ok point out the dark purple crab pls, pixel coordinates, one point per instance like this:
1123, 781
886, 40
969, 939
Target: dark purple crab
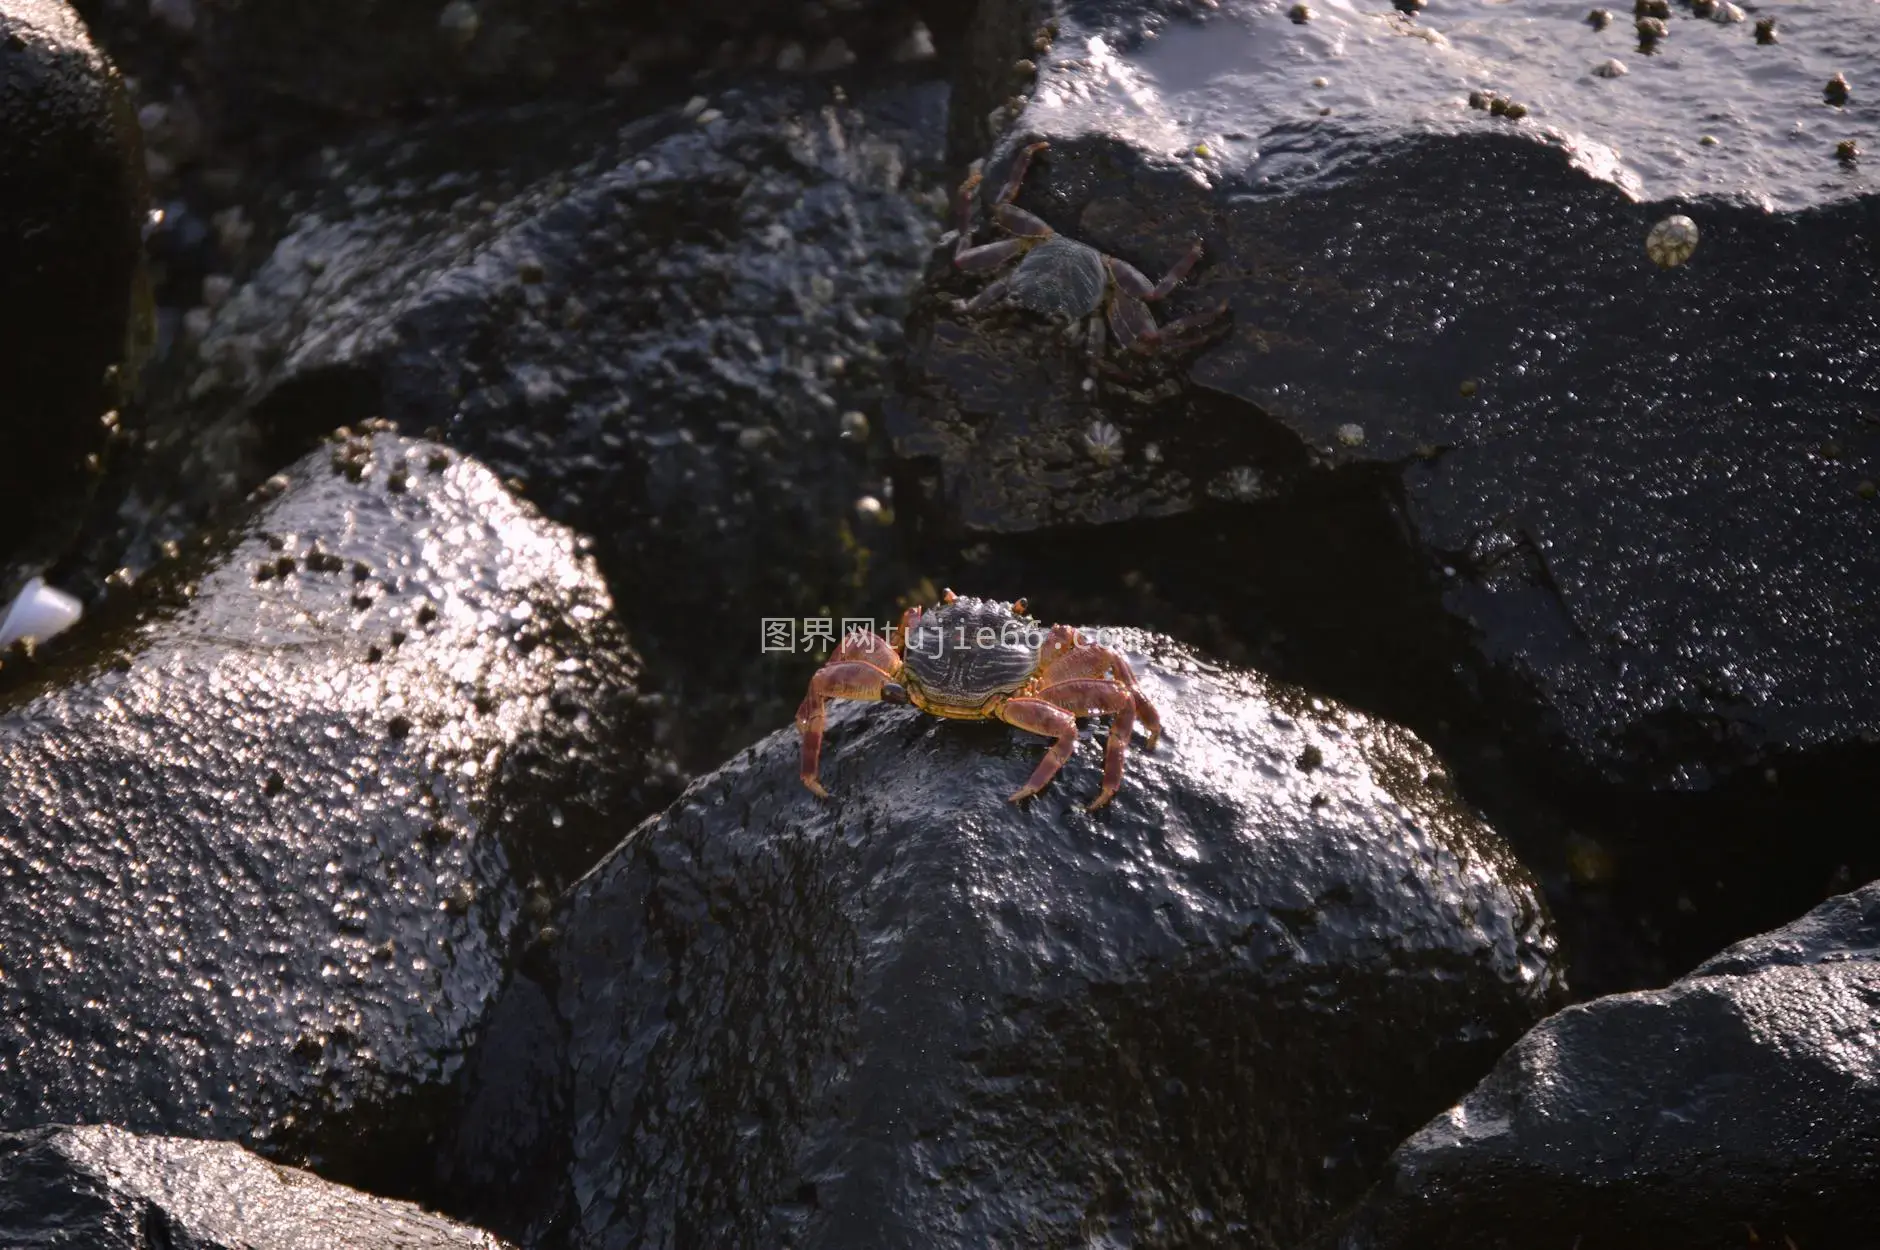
1069, 281
978, 659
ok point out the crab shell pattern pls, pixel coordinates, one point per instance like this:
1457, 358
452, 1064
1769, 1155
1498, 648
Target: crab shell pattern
979, 659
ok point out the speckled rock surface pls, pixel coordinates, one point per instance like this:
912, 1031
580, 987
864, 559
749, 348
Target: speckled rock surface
917, 1015
348, 60
1636, 491
658, 323
71, 204
264, 853
1735, 1106
105, 1189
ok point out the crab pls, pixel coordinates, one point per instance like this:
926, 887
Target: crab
1069, 281
978, 659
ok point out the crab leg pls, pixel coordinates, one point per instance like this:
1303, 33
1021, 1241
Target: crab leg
863, 668
990, 296
964, 206
1015, 220
987, 256
1136, 329
1064, 658
832, 681
1038, 717
1094, 697
868, 647
1132, 280
1130, 322
1055, 709
1177, 330
1016, 179
1025, 228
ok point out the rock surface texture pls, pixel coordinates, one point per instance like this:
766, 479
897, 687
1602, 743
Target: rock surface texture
1637, 493
1737, 1104
658, 323
351, 60
263, 861
918, 1015
1534, 420
105, 1189
71, 204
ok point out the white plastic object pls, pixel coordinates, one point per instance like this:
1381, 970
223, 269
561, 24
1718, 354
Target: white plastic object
38, 613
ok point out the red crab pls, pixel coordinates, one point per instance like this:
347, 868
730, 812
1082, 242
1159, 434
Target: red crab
978, 659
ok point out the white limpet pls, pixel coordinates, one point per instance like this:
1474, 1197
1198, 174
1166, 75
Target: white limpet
38, 613
1103, 441
1672, 241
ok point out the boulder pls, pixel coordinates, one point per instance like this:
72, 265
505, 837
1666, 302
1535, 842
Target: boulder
916, 1014
1735, 1106
266, 69
71, 206
266, 847
1624, 494
657, 324
106, 1189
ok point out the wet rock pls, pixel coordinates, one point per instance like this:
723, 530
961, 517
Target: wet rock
265, 853
106, 1189
656, 323
1640, 560
916, 1014
1735, 1106
355, 59
71, 205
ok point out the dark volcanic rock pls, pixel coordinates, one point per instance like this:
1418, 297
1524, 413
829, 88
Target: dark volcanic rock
104, 1189
917, 1015
263, 864
71, 205
351, 59
1636, 490
658, 324
1736, 1106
